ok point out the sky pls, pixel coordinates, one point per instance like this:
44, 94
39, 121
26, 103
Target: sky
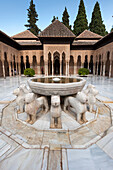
13, 13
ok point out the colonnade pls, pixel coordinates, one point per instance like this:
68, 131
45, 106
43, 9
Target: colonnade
55, 64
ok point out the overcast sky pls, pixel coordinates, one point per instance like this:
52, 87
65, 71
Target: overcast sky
13, 13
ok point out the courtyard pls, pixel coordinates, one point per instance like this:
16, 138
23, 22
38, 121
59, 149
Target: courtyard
24, 146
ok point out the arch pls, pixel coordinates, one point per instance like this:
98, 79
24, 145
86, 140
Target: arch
42, 64
22, 65
91, 64
56, 56
27, 62
63, 64
107, 67
49, 64
86, 62
6, 64
71, 65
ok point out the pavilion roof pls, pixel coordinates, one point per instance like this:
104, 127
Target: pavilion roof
56, 29
25, 34
86, 34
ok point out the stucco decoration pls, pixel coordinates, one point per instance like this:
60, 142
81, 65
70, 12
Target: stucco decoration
55, 112
77, 105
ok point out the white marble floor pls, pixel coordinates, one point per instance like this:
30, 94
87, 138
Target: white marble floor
15, 156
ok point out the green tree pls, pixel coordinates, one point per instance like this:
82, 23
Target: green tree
81, 23
32, 19
96, 24
65, 18
54, 18
111, 29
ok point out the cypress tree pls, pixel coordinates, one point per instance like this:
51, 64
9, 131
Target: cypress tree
32, 19
54, 18
96, 24
111, 29
65, 18
81, 22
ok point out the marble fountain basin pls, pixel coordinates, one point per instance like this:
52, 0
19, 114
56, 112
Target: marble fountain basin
59, 85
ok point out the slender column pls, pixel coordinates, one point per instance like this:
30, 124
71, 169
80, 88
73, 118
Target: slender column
3, 67
10, 69
82, 65
104, 66
68, 68
38, 68
52, 67
88, 66
110, 69
19, 68
16, 69
75, 69
46, 68
94, 69
25, 65
60, 67
101, 69
13, 67
97, 69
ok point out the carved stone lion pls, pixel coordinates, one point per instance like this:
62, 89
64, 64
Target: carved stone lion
32, 104
55, 112
21, 93
77, 105
91, 93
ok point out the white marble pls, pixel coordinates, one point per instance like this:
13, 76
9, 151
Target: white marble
23, 159
14, 156
92, 158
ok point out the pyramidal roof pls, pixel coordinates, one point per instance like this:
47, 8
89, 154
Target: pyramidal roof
25, 34
56, 29
86, 34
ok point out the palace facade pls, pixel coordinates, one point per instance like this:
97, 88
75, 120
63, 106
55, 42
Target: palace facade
56, 51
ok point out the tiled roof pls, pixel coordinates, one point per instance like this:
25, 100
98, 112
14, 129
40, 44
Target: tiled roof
56, 29
83, 43
30, 43
88, 35
25, 34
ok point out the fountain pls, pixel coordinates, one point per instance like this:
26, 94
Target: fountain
61, 85
52, 95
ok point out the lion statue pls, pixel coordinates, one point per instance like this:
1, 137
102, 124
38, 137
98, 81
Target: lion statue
21, 93
32, 105
55, 112
77, 105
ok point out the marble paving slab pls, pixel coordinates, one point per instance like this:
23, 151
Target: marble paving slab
100, 125
23, 159
92, 158
54, 160
81, 136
